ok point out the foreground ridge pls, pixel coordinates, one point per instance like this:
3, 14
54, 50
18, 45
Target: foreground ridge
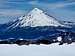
61, 39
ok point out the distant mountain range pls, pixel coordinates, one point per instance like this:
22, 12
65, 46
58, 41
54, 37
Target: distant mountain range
37, 27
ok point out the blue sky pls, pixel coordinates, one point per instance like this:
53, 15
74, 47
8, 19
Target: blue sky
60, 9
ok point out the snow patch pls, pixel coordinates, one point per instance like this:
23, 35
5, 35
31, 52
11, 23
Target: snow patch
59, 38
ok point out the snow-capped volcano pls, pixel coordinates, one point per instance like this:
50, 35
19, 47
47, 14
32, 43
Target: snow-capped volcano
48, 31
35, 18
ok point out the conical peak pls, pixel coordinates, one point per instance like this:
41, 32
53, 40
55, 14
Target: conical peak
37, 17
37, 10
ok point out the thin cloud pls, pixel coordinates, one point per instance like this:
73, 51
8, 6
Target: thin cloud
51, 5
35, 2
12, 12
60, 5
